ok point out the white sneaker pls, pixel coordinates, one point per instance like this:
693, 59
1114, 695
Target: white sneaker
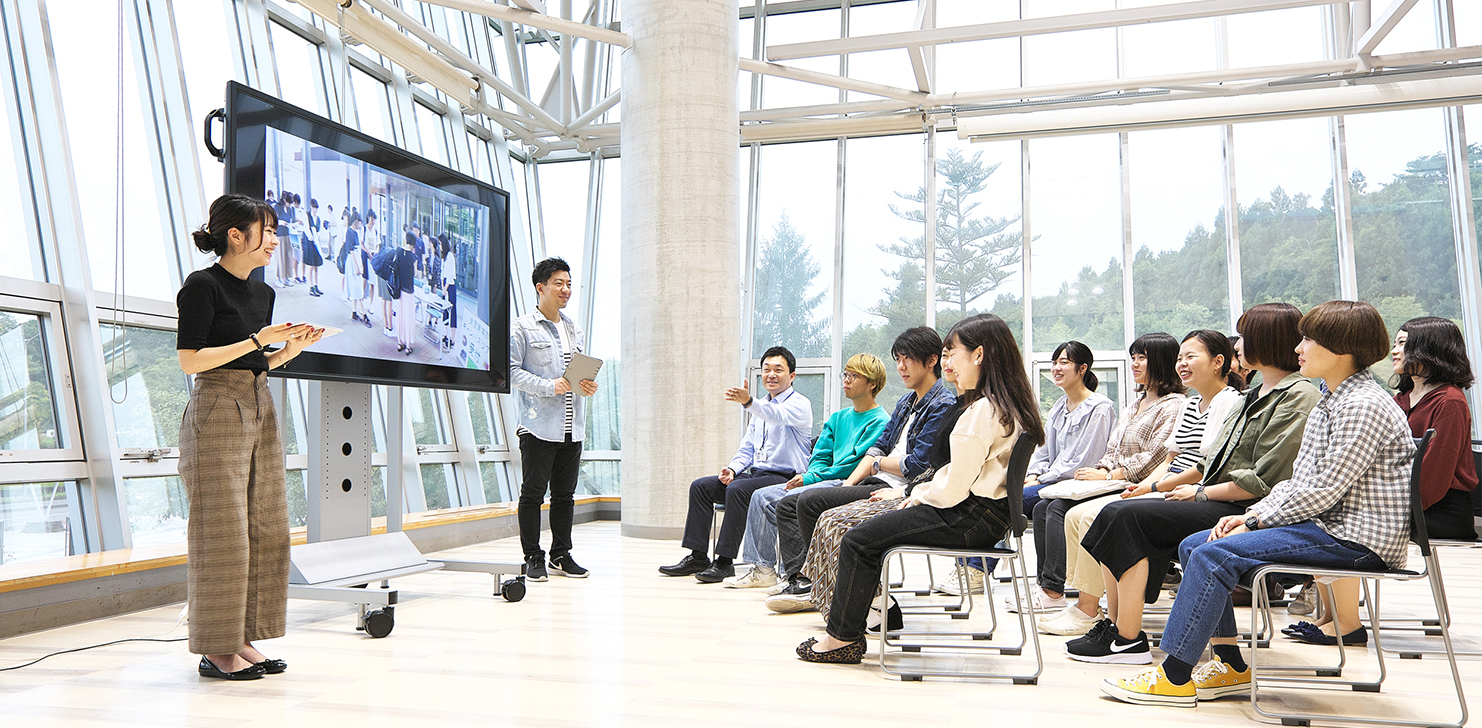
789, 603
952, 583
1043, 603
757, 578
1069, 621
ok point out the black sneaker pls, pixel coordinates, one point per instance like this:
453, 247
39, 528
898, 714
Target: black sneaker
687, 566
535, 568
1113, 649
1100, 633
797, 586
567, 566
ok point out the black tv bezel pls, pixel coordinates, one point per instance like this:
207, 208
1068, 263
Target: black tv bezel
246, 149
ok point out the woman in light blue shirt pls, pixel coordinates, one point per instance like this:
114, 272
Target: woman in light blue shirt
1076, 436
1080, 423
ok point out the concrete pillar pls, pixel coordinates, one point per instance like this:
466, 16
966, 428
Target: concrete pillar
680, 254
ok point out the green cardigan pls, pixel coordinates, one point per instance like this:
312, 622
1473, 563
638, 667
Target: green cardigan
1259, 441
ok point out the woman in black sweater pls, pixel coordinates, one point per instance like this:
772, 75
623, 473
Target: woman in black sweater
231, 455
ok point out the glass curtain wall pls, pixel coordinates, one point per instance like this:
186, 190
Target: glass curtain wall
1098, 237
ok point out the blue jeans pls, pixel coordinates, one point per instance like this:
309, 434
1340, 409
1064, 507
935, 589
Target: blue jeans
1031, 499
1212, 569
759, 547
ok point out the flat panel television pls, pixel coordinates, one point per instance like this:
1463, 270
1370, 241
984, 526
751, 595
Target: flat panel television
342, 199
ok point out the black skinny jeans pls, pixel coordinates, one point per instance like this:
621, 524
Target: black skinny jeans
553, 464
975, 523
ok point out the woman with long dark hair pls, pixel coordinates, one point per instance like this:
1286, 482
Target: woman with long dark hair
231, 454
965, 504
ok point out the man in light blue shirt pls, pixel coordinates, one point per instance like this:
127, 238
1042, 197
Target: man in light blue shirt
551, 418
776, 447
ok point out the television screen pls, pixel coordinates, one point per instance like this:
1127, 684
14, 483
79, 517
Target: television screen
408, 257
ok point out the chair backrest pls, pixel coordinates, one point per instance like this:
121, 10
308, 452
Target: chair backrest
1018, 470
1477, 492
1417, 514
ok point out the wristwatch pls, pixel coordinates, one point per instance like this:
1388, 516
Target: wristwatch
1199, 495
255, 342
1252, 522
875, 469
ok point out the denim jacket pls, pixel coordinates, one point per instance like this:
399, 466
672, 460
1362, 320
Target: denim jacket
535, 363
930, 411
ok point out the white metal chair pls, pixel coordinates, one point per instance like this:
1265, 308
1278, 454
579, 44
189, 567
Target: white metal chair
1261, 676
972, 641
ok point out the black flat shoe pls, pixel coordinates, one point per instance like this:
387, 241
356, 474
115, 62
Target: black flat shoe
850, 654
1356, 638
1292, 630
271, 666
209, 669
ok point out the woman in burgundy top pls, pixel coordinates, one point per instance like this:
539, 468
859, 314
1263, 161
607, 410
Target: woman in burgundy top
1430, 360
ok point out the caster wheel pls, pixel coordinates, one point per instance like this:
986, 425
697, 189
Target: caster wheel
378, 623
512, 590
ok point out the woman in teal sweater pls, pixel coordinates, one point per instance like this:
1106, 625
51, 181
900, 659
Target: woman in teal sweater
847, 436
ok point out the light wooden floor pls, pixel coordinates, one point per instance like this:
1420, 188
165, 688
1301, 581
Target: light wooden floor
625, 647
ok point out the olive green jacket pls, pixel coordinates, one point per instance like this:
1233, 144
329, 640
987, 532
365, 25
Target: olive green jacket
1259, 440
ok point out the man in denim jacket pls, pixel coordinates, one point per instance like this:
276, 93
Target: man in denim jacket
552, 421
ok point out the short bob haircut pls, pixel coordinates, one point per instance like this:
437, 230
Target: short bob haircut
1435, 350
1161, 351
1351, 328
871, 368
921, 344
1270, 335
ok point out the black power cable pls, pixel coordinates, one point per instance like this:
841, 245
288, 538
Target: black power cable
91, 647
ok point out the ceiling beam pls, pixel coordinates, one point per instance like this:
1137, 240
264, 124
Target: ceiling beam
536, 20
459, 59
831, 80
1295, 104
1032, 26
1377, 32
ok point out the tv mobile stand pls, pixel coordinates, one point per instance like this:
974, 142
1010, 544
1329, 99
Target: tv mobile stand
343, 558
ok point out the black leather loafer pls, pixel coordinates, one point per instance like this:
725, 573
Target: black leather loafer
687, 566
209, 669
716, 574
271, 666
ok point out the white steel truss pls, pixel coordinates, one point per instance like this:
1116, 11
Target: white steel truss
571, 113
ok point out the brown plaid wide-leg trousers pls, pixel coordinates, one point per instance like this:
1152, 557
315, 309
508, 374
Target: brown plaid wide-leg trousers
231, 462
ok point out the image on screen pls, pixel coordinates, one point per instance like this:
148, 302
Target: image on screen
367, 228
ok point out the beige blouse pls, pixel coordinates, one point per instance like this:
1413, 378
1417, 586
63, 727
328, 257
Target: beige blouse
981, 446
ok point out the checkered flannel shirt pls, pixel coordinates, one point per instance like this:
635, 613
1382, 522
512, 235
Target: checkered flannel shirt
1352, 475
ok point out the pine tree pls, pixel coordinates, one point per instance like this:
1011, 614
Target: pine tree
973, 254
785, 274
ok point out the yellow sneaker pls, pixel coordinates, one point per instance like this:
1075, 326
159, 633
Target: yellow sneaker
1216, 679
1151, 687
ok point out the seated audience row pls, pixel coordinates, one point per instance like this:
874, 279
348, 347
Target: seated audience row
1191, 468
